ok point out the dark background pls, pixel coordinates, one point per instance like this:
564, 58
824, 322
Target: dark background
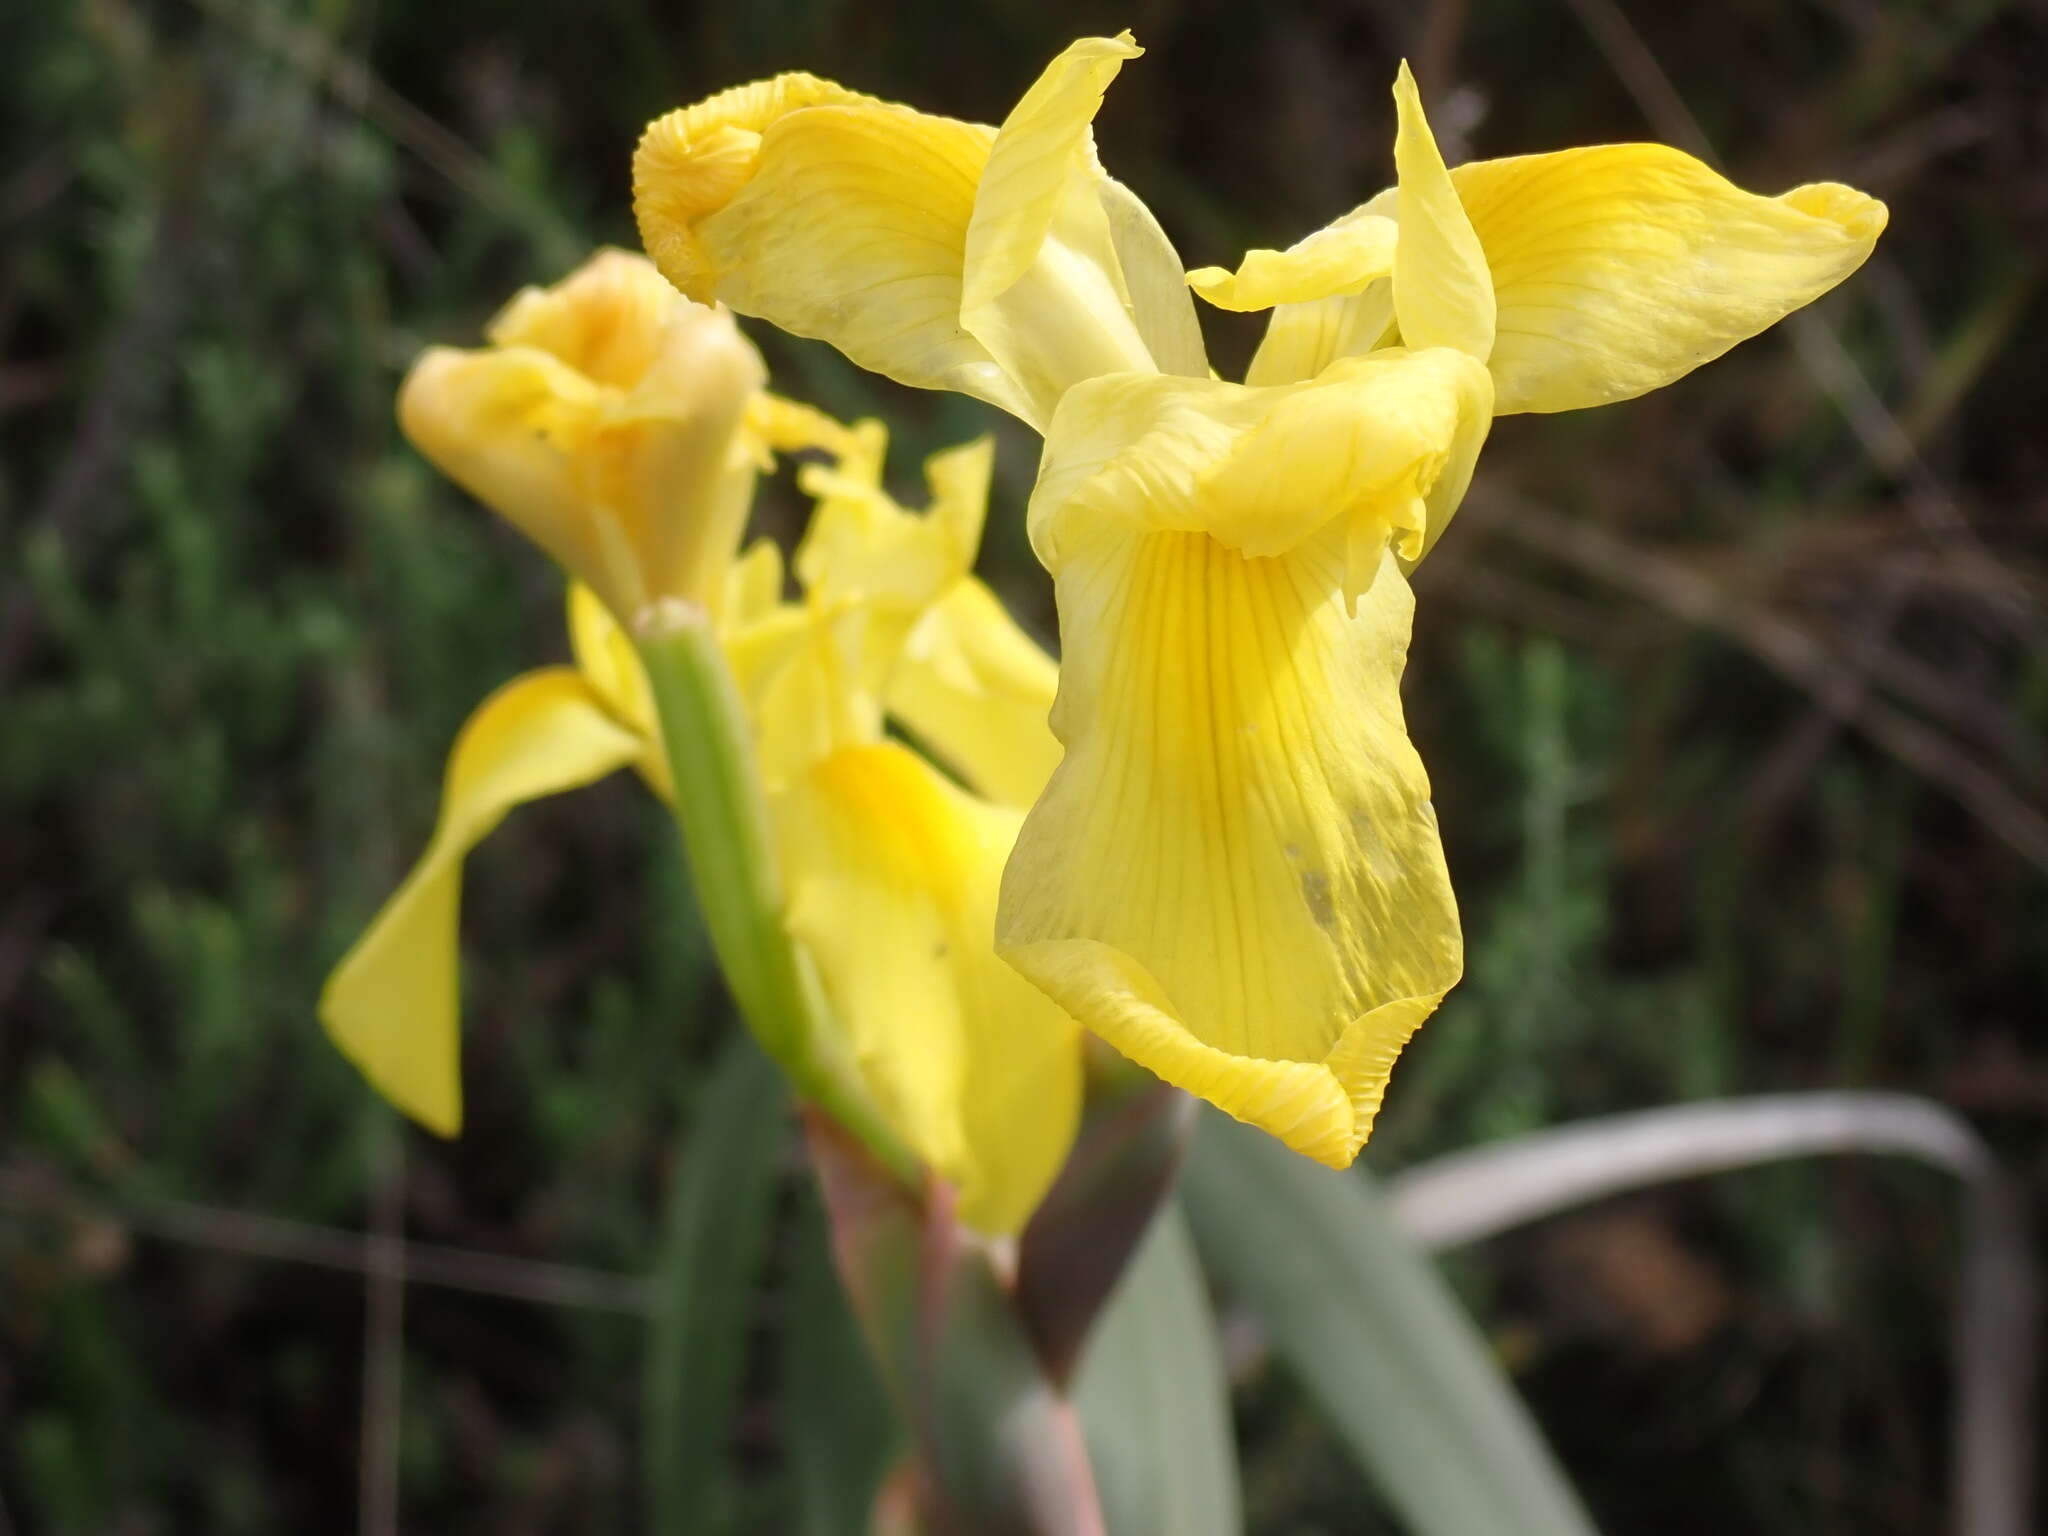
1735, 702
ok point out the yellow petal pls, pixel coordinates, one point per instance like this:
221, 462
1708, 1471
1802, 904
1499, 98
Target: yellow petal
936, 252
508, 426
1622, 267
790, 426
605, 320
892, 878
638, 490
830, 215
391, 1004
1341, 258
975, 691
1154, 283
1443, 294
1234, 876
1384, 443
1045, 288
1302, 339
861, 547
692, 161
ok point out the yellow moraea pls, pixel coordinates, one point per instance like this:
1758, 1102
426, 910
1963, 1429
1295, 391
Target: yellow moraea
606, 421
1234, 873
890, 869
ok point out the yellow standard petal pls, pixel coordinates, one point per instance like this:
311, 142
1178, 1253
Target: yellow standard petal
1234, 875
391, 1005
1045, 288
892, 877
1622, 267
875, 228
1443, 294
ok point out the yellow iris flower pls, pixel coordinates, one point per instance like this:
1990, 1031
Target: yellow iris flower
1234, 876
623, 428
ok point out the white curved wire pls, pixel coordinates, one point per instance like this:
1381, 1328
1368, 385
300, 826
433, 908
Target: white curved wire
1469, 1195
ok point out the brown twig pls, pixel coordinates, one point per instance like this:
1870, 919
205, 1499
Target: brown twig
1830, 679
1887, 444
250, 1234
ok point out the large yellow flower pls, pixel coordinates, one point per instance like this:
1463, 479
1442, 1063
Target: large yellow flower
1234, 875
890, 868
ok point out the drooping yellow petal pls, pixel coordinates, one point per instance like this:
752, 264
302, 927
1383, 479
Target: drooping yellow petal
869, 226
1443, 293
391, 1005
1234, 876
975, 691
892, 878
1622, 267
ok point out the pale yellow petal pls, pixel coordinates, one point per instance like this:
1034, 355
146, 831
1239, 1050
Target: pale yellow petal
509, 425
640, 490
1384, 442
1043, 146
675, 466
1443, 294
1155, 284
1044, 286
863, 550
789, 426
692, 161
1303, 339
830, 215
1234, 876
892, 878
975, 691
605, 320
1340, 259
391, 1005
1622, 267
942, 254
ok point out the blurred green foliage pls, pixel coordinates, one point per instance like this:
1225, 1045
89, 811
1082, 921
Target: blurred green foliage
240, 623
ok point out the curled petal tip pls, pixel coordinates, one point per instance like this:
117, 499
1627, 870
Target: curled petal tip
693, 161
1857, 214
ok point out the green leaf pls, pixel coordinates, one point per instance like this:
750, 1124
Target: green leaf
712, 1247
841, 1426
1371, 1330
1154, 1401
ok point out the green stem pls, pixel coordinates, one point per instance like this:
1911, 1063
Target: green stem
724, 821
